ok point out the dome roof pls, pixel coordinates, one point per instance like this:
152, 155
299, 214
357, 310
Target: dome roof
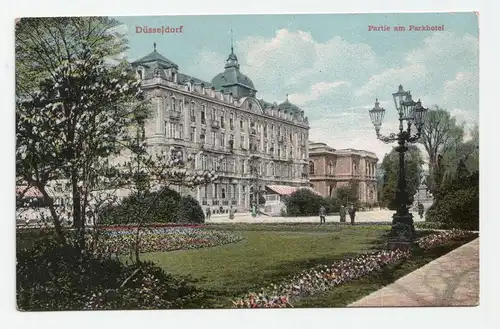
286, 105
232, 75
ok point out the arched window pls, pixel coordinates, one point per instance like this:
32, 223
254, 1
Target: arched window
311, 168
173, 104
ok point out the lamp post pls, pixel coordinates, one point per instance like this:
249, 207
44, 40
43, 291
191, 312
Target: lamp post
413, 114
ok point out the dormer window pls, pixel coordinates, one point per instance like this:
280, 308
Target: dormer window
140, 73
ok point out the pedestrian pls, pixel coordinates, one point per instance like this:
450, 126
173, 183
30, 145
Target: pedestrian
231, 212
343, 213
208, 212
420, 210
322, 215
352, 213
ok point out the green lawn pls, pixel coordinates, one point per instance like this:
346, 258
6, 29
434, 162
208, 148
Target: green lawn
269, 253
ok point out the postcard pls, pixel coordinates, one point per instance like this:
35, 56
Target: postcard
247, 161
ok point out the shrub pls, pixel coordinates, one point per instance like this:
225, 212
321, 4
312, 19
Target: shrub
303, 202
457, 209
54, 277
457, 203
162, 208
189, 211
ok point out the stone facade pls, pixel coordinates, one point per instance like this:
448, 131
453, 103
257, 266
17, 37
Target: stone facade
249, 142
330, 169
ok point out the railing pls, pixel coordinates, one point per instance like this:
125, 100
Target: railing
225, 202
215, 124
193, 118
233, 202
215, 202
281, 139
203, 120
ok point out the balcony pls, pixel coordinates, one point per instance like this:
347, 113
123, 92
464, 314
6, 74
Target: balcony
225, 202
203, 121
281, 139
222, 124
215, 202
253, 132
215, 124
193, 118
233, 202
174, 115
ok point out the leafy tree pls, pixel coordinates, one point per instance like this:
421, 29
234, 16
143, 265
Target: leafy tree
390, 168
439, 134
44, 44
83, 131
349, 193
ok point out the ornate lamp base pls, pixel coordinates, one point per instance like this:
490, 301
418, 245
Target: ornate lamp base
402, 234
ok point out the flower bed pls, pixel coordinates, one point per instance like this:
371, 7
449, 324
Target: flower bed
121, 240
325, 277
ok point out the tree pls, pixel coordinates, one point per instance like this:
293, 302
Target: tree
70, 132
349, 193
440, 133
390, 168
44, 44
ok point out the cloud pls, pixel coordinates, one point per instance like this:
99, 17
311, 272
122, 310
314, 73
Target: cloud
317, 91
336, 81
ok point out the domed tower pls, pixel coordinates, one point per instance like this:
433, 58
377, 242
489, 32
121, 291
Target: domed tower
232, 80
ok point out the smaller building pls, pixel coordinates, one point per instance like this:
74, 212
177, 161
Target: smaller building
275, 195
330, 169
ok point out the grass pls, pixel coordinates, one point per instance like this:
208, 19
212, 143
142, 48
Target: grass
271, 253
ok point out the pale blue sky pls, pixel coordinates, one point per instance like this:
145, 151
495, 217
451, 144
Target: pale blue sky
331, 65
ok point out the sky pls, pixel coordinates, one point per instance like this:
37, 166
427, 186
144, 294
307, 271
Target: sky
330, 65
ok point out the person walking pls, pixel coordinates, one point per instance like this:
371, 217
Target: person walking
343, 213
231, 213
208, 213
322, 215
352, 213
420, 210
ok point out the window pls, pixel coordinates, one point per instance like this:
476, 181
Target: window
173, 104
203, 135
202, 114
279, 152
311, 168
165, 128
330, 168
213, 137
223, 165
291, 138
242, 166
181, 105
222, 139
241, 124
223, 193
172, 130
204, 163
215, 165
231, 121
191, 112
242, 141
222, 121
180, 130
192, 136
214, 114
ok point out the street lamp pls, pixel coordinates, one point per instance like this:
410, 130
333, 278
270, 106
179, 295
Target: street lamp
411, 112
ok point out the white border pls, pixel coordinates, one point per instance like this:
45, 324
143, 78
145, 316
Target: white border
482, 316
